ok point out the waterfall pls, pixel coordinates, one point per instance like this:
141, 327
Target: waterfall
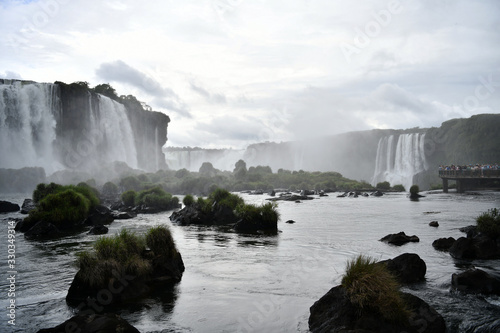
35, 130
117, 136
398, 163
28, 114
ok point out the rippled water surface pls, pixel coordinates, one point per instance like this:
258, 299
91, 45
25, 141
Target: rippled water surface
267, 283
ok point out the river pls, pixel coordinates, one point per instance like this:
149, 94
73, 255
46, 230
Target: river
242, 283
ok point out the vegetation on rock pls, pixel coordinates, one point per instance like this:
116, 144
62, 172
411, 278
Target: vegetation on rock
63, 206
488, 223
370, 286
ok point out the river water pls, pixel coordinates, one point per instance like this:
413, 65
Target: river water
241, 283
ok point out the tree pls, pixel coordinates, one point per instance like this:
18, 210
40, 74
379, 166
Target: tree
107, 90
240, 170
383, 186
207, 169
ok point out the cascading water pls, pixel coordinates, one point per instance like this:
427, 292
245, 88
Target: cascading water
399, 163
117, 136
33, 132
28, 114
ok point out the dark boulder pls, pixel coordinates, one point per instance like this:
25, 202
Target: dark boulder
99, 216
98, 230
434, 224
462, 249
407, 268
8, 207
335, 313
93, 323
28, 206
477, 247
476, 281
42, 230
377, 194
443, 244
290, 222
399, 239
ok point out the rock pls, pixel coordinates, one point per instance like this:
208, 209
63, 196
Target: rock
25, 225
462, 249
335, 313
399, 239
42, 230
99, 216
8, 207
434, 224
470, 230
126, 288
443, 244
93, 323
98, 230
407, 268
477, 247
28, 205
416, 196
377, 194
122, 215
476, 281
290, 221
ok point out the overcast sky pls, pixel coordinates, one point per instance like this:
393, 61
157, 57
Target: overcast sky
234, 72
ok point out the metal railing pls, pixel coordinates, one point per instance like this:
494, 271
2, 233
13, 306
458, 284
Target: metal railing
473, 173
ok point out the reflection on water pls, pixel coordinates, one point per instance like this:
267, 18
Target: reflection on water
250, 283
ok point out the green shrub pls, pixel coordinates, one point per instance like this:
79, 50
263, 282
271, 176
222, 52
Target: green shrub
43, 190
160, 241
414, 189
488, 223
128, 198
188, 200
370, 286
123, 253
399, 188
383, 186
63, 209
110, 189
156, 197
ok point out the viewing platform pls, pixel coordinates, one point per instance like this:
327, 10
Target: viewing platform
470, 179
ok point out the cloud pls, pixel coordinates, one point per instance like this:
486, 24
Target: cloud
119, 71
210, 97
11, 75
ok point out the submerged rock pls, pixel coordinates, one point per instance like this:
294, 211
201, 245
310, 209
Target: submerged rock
98, 230
399, 239
434, 224
93, 323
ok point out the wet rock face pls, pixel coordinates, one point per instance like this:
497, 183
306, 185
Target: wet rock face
93, 323
7, 207
476, 281
407, 267
335, 313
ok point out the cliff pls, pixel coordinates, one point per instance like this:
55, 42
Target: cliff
69, 126
410, 156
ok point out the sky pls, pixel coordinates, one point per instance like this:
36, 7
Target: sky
230, 73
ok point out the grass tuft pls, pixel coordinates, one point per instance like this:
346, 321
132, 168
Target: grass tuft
488, 223
371, 286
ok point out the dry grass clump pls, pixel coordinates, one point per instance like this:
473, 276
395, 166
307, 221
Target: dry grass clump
370, 286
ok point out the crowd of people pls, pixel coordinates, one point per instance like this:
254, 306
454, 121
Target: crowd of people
470, 167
